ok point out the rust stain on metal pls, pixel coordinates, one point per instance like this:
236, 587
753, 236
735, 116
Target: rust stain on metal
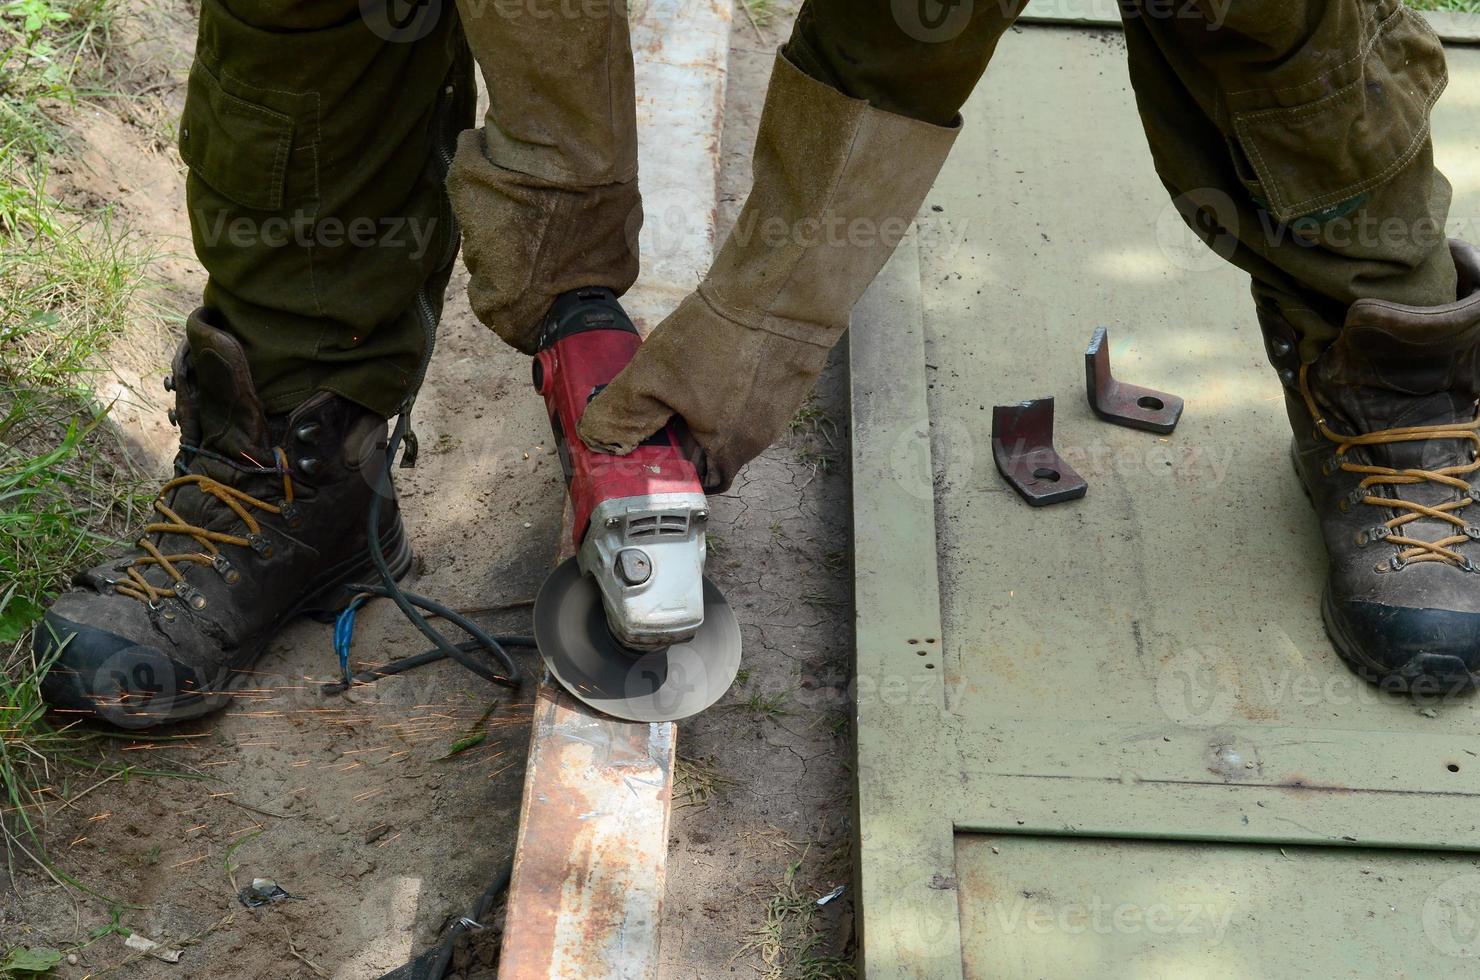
1022, 446
587, 891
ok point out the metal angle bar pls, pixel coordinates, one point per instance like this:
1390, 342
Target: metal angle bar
1125, 404
1022, 446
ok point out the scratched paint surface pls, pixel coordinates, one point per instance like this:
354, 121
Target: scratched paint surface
1454, 28
1126, 910
1186, 585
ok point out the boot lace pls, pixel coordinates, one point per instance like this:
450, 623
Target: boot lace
136, 586
1412, 549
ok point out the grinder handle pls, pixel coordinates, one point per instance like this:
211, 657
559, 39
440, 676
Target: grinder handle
586, 341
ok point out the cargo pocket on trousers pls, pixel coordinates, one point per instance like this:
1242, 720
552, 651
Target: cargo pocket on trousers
1308, 158
240, 149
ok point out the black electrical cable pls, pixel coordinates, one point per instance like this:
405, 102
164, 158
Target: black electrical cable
439, 965
409, 603
434, 963
421, 660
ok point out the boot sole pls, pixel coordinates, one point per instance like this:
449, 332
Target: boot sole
1424, 673
323, 603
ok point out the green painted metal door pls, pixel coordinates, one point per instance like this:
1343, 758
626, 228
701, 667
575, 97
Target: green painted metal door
1125, 703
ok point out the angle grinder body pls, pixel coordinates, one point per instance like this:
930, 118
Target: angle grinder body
665, 645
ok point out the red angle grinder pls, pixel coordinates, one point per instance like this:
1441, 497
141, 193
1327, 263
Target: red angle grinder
630, 625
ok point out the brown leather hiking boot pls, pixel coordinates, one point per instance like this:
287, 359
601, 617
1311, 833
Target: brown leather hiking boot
264, 521
1387, 429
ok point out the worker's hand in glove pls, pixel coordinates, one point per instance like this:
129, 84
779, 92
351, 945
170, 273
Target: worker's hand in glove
740, 354
737, 387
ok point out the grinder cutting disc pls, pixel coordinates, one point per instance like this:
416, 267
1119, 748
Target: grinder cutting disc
663, 685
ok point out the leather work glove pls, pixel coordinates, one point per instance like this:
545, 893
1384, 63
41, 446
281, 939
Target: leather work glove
837, 183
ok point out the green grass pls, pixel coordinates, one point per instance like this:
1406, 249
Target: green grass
49, 50
31, 754
58, 503
789, 943
70, 281
696, 781
760, 13
766, 706
810, 417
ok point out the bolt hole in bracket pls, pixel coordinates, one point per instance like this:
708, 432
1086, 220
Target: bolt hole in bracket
1125, 404
1022, 446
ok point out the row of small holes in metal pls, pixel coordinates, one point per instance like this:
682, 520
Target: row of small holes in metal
924, 653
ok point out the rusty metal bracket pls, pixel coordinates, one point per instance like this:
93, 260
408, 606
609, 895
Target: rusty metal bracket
1125, 404
1022, 445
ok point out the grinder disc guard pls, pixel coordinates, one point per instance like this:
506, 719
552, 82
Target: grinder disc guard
662, 685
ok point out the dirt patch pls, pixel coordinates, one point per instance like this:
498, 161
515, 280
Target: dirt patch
349, 802
346, 802
764, 793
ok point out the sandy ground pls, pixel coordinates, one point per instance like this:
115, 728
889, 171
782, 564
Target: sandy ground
349, 803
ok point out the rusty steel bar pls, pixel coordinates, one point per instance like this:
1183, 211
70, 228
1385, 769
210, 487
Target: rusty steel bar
589, 868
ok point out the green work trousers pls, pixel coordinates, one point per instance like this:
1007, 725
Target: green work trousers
322, 138
1293, 136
